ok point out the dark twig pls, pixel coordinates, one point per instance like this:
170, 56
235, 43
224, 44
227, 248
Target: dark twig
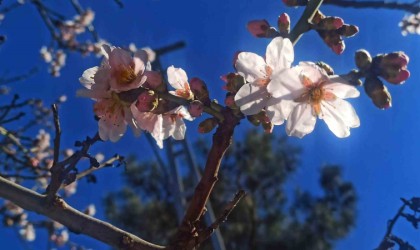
205, 234
57, 134
413, 7
19, 78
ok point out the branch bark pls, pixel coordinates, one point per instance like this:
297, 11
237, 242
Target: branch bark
222, 139
413, 7
75, 220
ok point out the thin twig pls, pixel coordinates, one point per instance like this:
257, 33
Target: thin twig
57, 134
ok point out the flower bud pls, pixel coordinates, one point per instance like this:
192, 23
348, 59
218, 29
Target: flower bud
328, 69
154, 81
258, 28
230, 101
396, 76
207, 125
199, 89
268, 127
283, 23
196, 108
348, 30
339, 47
398, 58
378, 92
233, 81
363, 59
331, 23
147, 101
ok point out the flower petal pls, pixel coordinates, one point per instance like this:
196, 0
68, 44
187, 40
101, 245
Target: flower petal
340, 117
286, 84
87, 78
301, 121
119, 57
251, 98
280, 54
251, 66
279, 110
177, 77
341, 88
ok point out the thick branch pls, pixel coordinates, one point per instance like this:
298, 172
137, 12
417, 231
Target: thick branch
76, 221
221, 142
408, 7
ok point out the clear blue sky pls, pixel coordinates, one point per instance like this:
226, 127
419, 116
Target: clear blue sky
381, 157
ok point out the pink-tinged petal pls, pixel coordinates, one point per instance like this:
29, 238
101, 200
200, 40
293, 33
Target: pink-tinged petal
301, 121
286, 84
129, 119
279, 110
119, 57
177, 77
140, 60
111, 127
313, 72
87, 79
340, 87
334, 120
251, 66
251, 98
101, 79
345, 110
149, 122
154, 80
280, 54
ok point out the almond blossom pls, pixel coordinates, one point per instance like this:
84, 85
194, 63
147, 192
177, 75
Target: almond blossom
259, 72
116, 73
163, 126
307, 93
178, 79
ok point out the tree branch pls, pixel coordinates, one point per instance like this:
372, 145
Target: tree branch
75, 220
408, 7
222, 139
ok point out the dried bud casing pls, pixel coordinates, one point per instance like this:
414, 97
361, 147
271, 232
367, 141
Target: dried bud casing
207, 125
363, 59
234, 82
378, 92
199, 89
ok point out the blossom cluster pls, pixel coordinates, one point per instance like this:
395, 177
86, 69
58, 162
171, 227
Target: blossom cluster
126, 92
296, 94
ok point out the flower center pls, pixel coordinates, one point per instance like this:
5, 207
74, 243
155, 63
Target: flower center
315, 94
126, 74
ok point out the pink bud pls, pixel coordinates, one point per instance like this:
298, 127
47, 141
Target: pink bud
402, 75
338, 22
146, 101
396, 58
338, 48
284, 23
258, 28
154, 80
195, 108
197, 85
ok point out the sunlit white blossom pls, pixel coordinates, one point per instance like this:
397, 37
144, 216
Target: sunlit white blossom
178, 79
307, 92
259, 72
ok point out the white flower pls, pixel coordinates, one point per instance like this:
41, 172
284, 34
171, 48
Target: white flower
308, 92
162, 126
178, 79
253, 97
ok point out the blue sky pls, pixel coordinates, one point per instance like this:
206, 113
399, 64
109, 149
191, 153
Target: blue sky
381, 157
